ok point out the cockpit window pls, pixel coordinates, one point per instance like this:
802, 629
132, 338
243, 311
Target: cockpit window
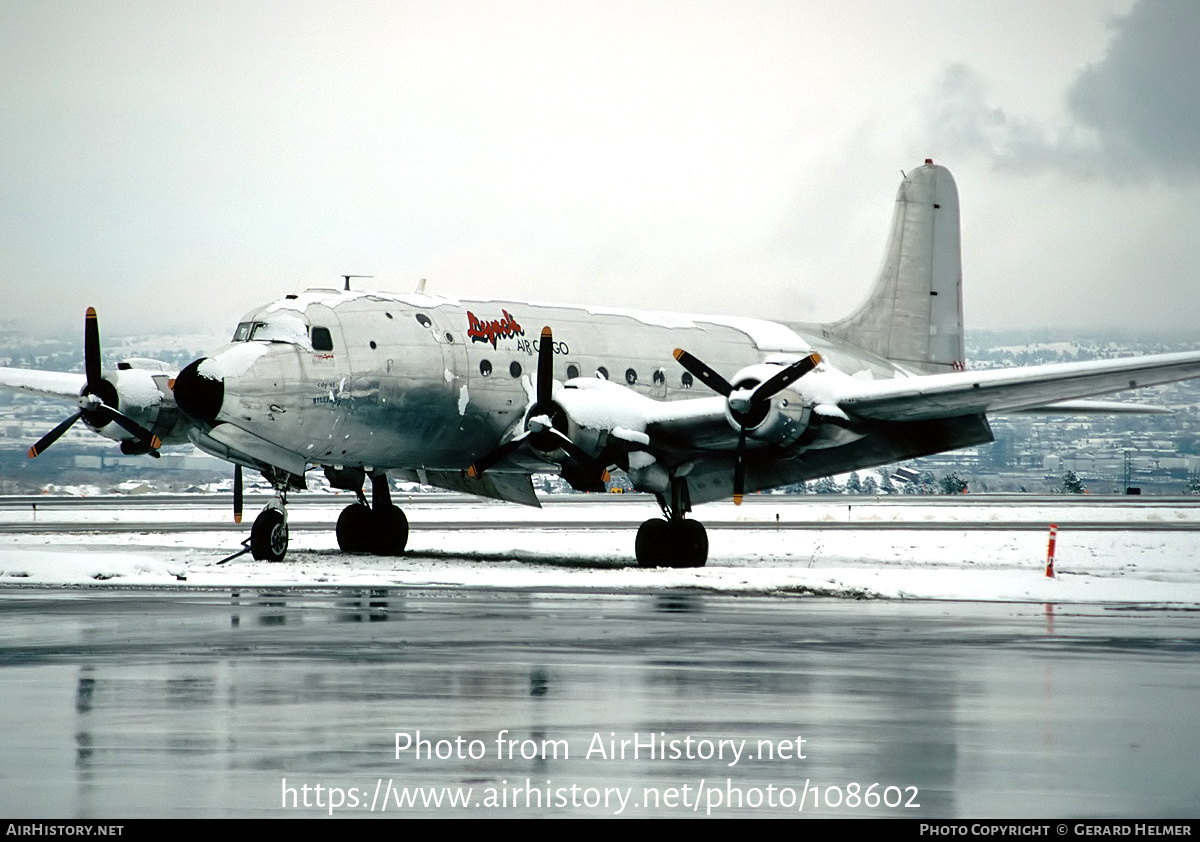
322, 339
276, 328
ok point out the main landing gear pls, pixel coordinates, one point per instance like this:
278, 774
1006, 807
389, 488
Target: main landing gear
379, 528
673, 542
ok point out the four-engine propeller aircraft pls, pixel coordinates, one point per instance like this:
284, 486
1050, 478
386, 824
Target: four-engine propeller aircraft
476, 396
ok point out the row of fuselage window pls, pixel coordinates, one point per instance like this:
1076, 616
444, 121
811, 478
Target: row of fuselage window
322, 340
631, 376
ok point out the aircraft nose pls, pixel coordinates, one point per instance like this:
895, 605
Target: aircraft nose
198, 395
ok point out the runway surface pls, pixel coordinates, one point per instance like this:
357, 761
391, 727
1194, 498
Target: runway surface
925, 667
358, 702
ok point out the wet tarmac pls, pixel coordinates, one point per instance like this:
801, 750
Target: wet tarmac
431, 702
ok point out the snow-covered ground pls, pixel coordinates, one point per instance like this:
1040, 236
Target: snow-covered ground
933, 559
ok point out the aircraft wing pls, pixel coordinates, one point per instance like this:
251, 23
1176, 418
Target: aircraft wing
1008, 390
49, 384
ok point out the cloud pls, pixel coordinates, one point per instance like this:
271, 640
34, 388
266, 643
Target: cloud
1143, 97
1134, 111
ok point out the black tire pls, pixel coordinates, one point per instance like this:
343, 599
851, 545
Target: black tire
269, 536
691, 542
679, 543
354, 529
650, 545
389, 530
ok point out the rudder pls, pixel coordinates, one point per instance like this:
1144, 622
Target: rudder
913, 315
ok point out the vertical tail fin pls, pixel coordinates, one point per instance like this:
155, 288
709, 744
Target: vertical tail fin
914, 313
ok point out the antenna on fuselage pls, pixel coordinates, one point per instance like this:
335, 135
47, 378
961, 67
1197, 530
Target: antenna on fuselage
348, 277
421, 287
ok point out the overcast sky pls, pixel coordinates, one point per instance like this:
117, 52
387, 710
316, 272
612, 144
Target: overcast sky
176, 163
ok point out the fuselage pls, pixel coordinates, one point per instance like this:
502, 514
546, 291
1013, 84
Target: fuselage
389, 381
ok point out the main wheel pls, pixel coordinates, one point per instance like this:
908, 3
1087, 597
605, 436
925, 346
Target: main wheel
651, 543
676, 543
354, 529
269, 536
389, 530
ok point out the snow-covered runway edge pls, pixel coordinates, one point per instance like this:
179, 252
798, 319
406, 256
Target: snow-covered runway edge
1141, 566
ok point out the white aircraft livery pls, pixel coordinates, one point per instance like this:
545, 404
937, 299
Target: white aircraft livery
478, 395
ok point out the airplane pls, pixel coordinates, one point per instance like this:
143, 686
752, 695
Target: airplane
478, 395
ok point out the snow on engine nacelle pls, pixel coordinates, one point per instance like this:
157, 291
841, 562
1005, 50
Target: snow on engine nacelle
779, 420
143, 393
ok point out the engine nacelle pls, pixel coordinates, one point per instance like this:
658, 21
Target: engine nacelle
143, 395
779, 421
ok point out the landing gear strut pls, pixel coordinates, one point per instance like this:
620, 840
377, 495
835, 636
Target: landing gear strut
379, 528
673, 542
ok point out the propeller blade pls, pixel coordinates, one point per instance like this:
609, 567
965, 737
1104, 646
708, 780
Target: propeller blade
545, 372
777, 383
53, 436
91, 347
503, 451
589, 465
703, 373
739, 469
237, 494
129, 425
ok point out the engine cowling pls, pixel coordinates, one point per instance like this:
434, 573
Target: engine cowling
779, 421
144, 396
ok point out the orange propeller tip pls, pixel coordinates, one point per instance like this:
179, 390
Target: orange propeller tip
677, 353
91, 313
737, 499
546, 331
473, 472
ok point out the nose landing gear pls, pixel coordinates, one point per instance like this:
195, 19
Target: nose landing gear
269, 535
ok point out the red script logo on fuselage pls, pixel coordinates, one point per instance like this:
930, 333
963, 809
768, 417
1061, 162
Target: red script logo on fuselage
504, 328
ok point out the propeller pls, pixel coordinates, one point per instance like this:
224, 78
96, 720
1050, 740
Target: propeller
745, 407
540, 432
237, 493
99, 398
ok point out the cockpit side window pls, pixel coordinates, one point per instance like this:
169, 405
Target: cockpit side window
322, 339
243, 332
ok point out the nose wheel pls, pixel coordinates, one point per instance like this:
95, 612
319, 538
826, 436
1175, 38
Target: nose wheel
269, 535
